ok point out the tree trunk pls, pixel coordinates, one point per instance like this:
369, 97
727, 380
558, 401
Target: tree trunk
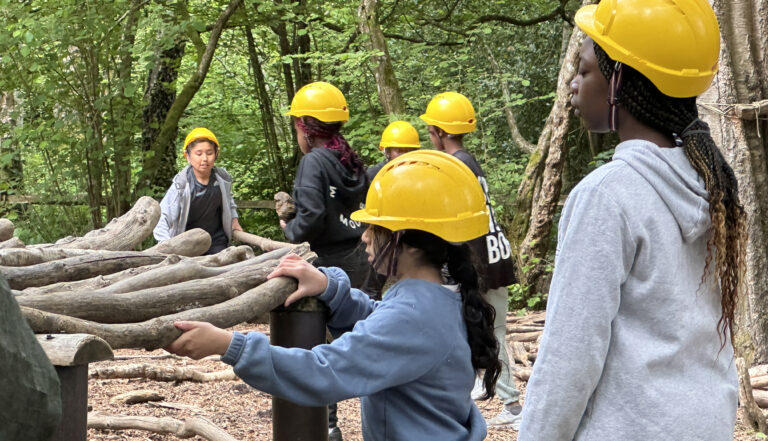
160, 332
267, 114
539, 193
148, 176
186, 286
190, 243
194, 426
743, 79
12, 172
390, 97
226, 257
76, 268
122, 233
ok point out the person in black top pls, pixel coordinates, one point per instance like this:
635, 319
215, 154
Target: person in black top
450, 116
399, 137
330, 184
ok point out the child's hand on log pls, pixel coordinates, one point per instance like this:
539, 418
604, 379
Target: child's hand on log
199, 339
311, 280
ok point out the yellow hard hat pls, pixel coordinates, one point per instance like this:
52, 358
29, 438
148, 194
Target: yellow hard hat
320, 100
674, 43
399, 134
200, 133
452, 112
430, 191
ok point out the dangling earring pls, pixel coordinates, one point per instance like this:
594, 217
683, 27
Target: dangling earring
613, 97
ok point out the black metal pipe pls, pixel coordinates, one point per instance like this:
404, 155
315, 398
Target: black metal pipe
301, 325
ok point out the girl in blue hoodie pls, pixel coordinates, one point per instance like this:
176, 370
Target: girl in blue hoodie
411, 357
637, 344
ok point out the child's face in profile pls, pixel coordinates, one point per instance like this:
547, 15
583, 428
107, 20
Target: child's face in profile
202, 156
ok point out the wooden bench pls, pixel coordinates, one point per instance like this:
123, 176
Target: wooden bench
70, 354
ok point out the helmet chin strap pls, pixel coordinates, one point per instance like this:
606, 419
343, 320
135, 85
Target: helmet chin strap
613, 97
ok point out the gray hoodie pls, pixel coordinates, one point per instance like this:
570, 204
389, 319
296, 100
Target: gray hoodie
630, 350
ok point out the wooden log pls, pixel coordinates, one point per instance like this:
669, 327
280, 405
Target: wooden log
13, 242
33, 256
258, 241
6, 229
136, 397
76, 268
514, 329
519, 353
190, 243
522, 374
226, 257
161, 373
122, 233
159, 332
74, 349
216, 286
537, 318
758, 370
761, 398
524, 336
760, 382
195, 426
747, 402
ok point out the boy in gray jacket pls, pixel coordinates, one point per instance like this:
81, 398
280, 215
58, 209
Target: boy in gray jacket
200, 196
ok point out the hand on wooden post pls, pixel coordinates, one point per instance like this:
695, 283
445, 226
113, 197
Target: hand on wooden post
199, 339
311, 280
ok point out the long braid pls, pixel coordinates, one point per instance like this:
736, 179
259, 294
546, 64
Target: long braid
679, 119
477, 313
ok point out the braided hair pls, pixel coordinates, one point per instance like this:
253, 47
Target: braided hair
477, 313
313, 127
678, 118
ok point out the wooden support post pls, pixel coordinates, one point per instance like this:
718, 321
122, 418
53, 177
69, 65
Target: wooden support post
301, 325
70, 354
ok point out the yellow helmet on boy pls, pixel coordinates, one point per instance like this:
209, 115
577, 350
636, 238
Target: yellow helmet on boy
400, 134
429, 191
452, 112
200, 133
320, 100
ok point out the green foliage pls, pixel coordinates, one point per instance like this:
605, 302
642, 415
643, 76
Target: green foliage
520, 296
74, 109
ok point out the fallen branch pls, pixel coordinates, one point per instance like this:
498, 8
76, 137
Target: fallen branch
258, 241
519, 353
13, 242
195, 426
76, 268
6, 229
522, 374
190, 243
33, 256
524, 336
122, 233
136, 397
161, 373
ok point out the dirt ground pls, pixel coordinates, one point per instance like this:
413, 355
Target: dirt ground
240, 410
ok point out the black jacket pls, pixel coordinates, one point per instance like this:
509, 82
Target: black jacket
326, 193
371, 172
493, 249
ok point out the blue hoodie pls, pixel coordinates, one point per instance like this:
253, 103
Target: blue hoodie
407, 357
630, 349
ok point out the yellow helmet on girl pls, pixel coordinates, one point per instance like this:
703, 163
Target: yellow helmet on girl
320, 100
200, 133
400, 134
674, 43
429, 191
452, 112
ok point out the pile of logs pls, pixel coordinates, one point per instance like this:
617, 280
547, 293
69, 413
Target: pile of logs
98, 284
523, 336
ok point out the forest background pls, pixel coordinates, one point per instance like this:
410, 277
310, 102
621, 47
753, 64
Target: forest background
97, 95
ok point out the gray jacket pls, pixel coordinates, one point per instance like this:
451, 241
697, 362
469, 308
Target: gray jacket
630, 349
174, 208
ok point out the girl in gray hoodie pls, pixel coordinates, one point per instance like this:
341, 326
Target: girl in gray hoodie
637, 344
